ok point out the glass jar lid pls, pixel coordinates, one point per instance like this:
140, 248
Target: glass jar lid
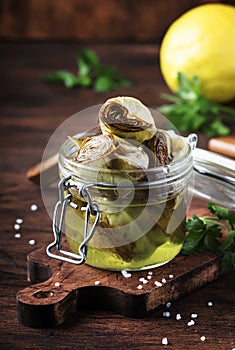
214, 177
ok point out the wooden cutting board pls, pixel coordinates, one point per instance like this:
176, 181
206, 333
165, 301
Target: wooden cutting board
59, 289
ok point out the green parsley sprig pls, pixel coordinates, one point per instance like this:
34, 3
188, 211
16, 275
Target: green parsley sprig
192, 111
91, 74
205, 234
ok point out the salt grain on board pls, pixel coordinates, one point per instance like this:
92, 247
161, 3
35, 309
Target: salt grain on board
126, 274
17, 235
203, 338
97, 283
139, 286
158, 284
193, 315
178, 317
57, 284
32, 241
19, 221
16, 226
210, 303
34, 207
164, 341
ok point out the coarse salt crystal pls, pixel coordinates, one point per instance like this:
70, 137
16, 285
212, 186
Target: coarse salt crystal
210, 303
163, 280
168, 304
164, 341
171, 276
203, 338
145, 281
16, 226
166, 314
34, 207
150, 273
190, 323
126, 274
193, 315
158, 284
57, 284
19, 221
141, 279
139, 286
32, 241
97, 283
178, 317
149, 277
17, 235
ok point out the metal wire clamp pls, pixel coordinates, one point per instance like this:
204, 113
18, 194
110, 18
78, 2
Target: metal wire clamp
58, 222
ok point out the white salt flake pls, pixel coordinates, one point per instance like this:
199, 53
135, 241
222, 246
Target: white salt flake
163, 280
97, 283
149, 277
178, 317
210, 303
203, 338
17, 235
158, 284
150, 273
164, 341
171, 276
139, 286
32, 241
190, 323
34, 207
145, 281
194, 315
166, 314
16, 226
57, 284
168, 304
126, 274
19, 221
141, 279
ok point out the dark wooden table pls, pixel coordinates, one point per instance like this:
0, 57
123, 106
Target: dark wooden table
30, 111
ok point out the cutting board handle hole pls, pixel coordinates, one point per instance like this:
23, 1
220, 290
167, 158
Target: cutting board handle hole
43, 294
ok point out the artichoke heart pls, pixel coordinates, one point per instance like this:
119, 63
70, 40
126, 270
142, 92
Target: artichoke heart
106, 152
127, 117
95, 149
160, 147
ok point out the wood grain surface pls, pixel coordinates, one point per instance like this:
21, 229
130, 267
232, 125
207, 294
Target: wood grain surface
30, 112
103, 20
49, 302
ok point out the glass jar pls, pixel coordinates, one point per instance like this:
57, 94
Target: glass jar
141, 224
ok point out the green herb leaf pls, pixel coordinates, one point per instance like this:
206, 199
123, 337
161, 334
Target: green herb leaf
62, 77
228, 261
191, 111
204, 234
228, 242
86, 60
91, 73
220, 212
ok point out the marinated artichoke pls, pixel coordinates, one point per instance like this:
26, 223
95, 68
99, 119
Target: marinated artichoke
127, 117
129, 146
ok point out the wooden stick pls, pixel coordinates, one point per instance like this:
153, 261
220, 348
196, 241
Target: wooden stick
45, 167
224, 145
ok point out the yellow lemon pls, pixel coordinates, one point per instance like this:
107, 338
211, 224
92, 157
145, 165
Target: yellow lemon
202, 42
